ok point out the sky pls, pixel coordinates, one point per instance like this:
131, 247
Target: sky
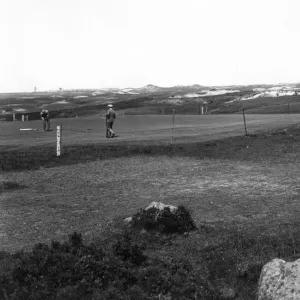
71, 44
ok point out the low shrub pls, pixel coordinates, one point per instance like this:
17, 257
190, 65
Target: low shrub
129, 266
53, 271
127, 251
164, 221
72, 270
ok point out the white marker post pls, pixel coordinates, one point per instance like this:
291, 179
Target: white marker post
58, 141
14, 117
23, 118
201, 110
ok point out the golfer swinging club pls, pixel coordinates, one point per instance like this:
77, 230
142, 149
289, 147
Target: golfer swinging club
45, 116
110, 118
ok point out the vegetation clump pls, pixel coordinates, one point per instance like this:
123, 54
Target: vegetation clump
72, 270
164, 220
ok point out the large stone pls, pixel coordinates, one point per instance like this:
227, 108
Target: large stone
279, 280
161, 206
158, 205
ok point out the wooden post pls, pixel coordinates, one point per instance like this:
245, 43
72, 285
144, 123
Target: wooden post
58, 141
246, 133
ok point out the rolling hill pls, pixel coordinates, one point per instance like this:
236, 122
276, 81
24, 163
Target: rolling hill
153, 99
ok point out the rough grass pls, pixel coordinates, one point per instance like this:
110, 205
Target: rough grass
84, 197
242, 192
264, 105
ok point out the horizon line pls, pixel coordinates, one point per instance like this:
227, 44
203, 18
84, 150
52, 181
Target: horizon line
121, 88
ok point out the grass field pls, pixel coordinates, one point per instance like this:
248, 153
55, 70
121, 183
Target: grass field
152, 128
84, 197
243, 191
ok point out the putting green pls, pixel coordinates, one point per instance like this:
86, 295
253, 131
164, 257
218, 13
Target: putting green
151, 128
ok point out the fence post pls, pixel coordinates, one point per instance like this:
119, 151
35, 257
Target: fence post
246, 133
58, 141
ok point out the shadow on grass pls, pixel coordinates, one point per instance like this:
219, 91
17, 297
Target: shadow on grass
10, 186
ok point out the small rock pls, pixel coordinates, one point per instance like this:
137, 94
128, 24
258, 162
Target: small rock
127, 221
227, 293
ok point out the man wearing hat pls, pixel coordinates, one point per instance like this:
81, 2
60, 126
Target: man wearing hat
110, 118
45, 116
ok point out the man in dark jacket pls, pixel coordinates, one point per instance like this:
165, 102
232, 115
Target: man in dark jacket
45, 116
110, 118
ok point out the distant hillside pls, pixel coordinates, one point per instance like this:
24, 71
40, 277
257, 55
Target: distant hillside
152, 99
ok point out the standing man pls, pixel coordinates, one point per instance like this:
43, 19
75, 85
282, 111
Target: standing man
110, 118
45, 116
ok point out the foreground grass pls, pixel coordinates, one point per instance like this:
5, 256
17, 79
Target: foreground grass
242, 192
85, 197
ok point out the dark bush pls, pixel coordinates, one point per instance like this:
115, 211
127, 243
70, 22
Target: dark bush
4, 254
164, 220
126, 251
72, 270
63, 271
75, 240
